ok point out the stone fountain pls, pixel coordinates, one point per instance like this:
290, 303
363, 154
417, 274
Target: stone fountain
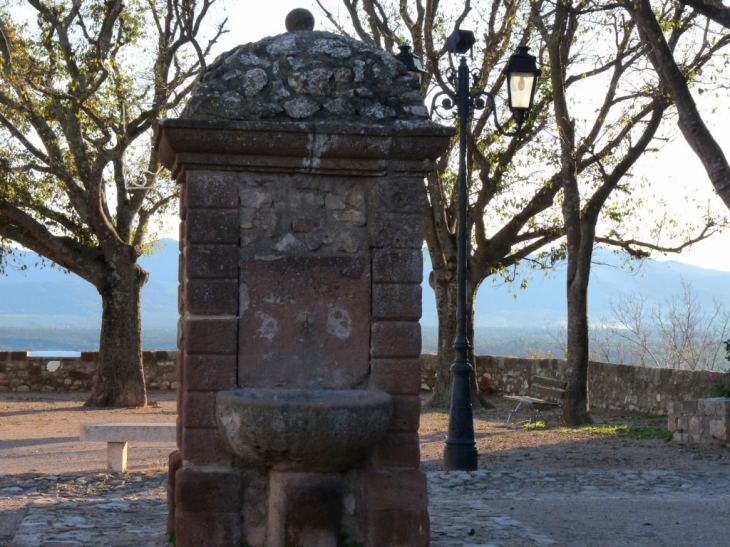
301, 160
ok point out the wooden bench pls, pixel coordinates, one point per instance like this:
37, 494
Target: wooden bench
117, 435
546, 394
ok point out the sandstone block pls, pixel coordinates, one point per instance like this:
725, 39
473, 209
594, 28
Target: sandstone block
396, 376
399, 230
393, 490
399, 195
397, 302
211, 335
211, 226
211, 297
395, 339
397, 266
398, 449
406, 413
209, 529
206, 372
199, 409
211, 189
211, 261
174, 462
208, 491
204, 447
401, 527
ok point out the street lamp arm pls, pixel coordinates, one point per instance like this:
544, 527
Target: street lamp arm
478, 103
446, 109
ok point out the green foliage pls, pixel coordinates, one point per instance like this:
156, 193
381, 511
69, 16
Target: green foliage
346, 541
638, 432
81, 89
537, 424
721, 391
171, 539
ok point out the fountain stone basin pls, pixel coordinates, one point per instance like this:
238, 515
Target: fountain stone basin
302, 429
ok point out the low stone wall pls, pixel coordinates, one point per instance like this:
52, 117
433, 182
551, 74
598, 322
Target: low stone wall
616, 387
21, 372
701, 421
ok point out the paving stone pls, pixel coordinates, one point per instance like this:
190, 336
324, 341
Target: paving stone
125, 510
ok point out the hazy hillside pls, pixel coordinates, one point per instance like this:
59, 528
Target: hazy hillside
43, 308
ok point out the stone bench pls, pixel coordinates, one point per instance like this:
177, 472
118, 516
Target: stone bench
117, 435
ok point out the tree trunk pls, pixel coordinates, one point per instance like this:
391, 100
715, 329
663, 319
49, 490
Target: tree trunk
578, 236
444, 286
120, 374
580, 252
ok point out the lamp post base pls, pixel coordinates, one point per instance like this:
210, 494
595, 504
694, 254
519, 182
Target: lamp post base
460, 452
460, 457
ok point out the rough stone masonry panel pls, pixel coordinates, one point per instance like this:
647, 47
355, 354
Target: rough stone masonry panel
304, 322
303, 214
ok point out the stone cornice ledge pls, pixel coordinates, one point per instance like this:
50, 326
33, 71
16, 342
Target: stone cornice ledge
406, 148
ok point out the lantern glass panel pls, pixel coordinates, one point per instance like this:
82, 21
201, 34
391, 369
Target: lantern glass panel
520, 86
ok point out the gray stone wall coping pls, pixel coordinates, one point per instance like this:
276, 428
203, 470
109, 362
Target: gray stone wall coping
354, 149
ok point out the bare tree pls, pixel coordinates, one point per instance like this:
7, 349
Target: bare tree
678, 333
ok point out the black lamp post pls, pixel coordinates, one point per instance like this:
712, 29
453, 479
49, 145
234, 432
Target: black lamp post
460, 452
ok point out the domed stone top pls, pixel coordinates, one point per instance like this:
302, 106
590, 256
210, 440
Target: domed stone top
307, 75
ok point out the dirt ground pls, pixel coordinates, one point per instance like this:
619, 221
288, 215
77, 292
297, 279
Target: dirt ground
506, 447
39, 433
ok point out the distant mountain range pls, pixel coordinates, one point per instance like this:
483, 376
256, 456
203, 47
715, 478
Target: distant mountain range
543, 302
46, 297
43, 308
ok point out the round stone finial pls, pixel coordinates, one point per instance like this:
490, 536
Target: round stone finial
299, 19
